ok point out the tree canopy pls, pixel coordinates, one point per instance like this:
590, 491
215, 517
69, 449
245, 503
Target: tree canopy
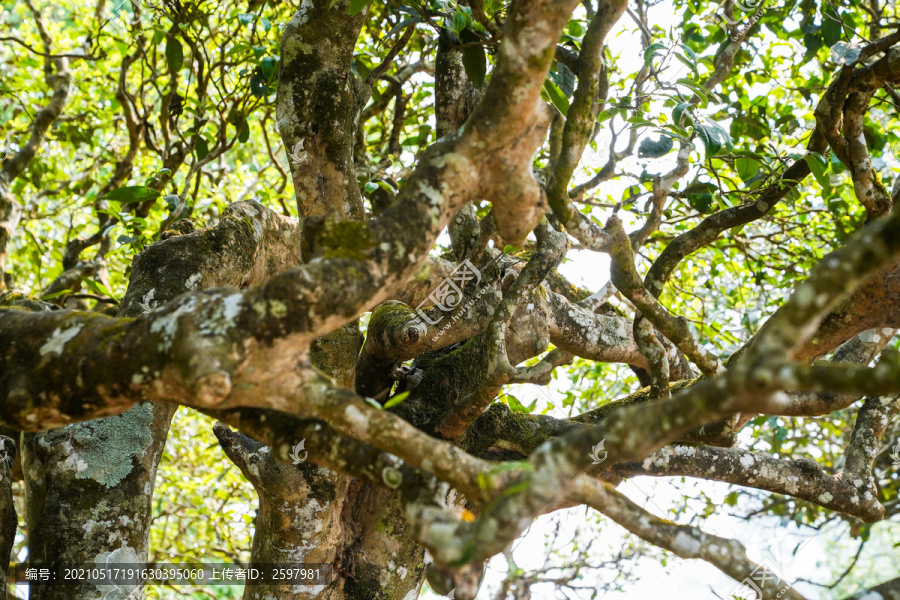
375, 286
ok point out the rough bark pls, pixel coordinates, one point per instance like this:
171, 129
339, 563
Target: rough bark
90, 485
278, 360
319, 101
351, 524
89, 494
298, 517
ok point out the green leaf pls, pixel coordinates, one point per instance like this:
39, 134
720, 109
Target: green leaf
714, 137
701, 202
831, 27
699, 90
97, 287
575, 29
269, 67
686, 62
565, 79
172, 201
56, 294
459, 21
243, 130
475, 63
640, 121
819, 167
258, 85
518, 407
133, 193
812, 42
395, 400
556, 96
652, 51
370, 187
650, 148
356, 6
174, 54
235, 117
837, 167
403, 24
747, 167
690, 53
678, 113
201, 148
373, 403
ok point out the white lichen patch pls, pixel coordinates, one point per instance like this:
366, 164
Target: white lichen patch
231, 307
302, 15
193, 281
684, 545
434, 196
168, 324
221, 317
356, 420
90, 525
108, 464
58, 339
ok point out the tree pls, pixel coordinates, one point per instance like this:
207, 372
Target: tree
161, 248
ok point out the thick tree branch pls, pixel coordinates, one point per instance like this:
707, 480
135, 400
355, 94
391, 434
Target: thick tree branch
580, 125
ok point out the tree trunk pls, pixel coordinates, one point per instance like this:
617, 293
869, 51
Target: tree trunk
89, 486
